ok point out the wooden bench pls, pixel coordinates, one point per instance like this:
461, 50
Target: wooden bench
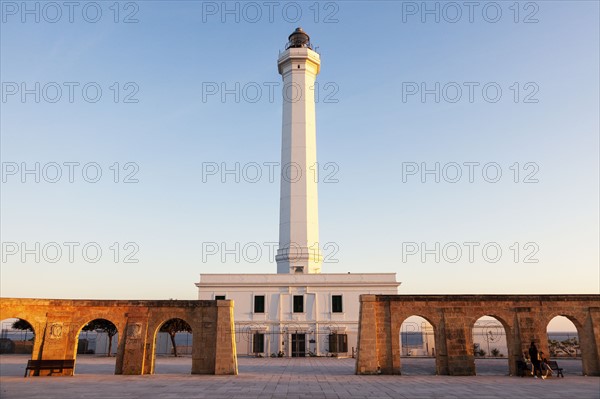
52, 365
554, 367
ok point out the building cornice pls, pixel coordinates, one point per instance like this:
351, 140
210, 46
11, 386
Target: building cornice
359, 280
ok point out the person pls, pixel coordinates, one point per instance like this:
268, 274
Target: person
545, 367
535, 359
527, 362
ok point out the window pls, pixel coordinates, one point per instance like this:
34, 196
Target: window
336, 304
219, 297
338, 343
298, 303
259, 304
258, 343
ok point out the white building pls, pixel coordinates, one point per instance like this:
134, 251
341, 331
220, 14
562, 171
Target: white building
299, 311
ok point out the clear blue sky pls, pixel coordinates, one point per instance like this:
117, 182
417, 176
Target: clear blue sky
370, 57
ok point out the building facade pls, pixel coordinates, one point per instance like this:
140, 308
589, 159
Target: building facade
299, 311
295, 315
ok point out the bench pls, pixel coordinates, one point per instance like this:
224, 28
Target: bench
523, 369
554, 367
52, 365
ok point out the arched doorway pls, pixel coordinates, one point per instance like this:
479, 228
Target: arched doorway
564, 345
17, 338
417, 347
173, 347
490, 347
96, 349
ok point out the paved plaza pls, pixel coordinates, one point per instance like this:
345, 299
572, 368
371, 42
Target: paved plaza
310, 378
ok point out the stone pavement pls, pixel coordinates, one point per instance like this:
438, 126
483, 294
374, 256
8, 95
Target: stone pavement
307, 378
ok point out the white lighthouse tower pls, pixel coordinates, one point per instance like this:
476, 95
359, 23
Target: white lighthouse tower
299, 250
299, 310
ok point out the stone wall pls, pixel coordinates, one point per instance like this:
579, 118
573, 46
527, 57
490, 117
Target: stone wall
58, 322
524, 318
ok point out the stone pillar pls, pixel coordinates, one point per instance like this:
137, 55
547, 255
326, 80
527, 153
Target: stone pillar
225, 356
120, 349
133, 350
366, 360
513, 346
528, 330
441, 351
459, 343
55, 341
518, 345
590, 343
396, 323
203, 345
39, 327
384, 338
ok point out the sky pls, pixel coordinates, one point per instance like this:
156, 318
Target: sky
457, 147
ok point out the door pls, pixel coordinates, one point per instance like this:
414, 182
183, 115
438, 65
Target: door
298, 345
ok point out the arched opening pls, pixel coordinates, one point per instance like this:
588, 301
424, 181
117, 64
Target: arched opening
17, 338
173, 347
490, 347
564, 346
97, 347
417, 347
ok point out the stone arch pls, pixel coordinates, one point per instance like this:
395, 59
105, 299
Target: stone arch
492, 332
431, 347
5, 321
548, 317
397, 312
571, 316
154, 334
80, 323
584, 341
509, 330
157, 326
421, 315
37, 338
25, 318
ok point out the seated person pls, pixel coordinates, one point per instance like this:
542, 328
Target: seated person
546, 370
527, 362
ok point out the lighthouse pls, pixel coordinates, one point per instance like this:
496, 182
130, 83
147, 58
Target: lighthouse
299, 250
299, 310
